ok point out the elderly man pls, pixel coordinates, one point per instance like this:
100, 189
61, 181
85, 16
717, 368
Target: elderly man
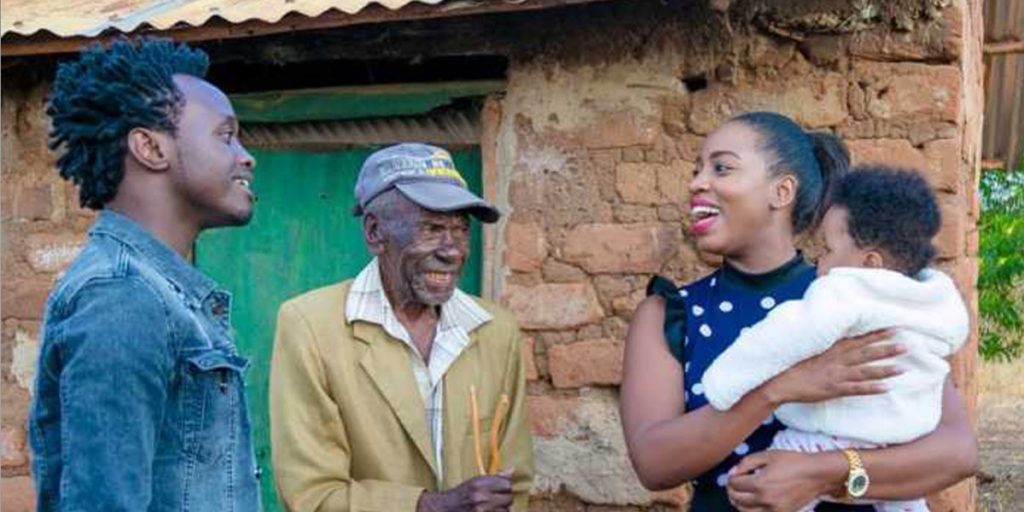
396, 391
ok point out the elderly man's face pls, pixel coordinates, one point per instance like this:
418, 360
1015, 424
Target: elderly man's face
421, 253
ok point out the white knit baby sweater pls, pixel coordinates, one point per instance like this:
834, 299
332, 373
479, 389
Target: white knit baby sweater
930, 320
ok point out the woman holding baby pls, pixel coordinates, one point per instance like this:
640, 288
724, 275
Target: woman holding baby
869, 422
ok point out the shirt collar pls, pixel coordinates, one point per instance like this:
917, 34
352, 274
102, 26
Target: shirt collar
367, 302
168, 262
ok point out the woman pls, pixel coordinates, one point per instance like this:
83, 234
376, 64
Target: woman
758, 184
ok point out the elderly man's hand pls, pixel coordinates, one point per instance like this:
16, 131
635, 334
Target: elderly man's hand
481, 494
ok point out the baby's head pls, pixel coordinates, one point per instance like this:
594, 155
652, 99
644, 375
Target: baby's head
880, 217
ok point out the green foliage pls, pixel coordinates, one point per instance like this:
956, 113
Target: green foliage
1001, 277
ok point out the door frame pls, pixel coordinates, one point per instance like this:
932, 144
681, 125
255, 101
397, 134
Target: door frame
396, 100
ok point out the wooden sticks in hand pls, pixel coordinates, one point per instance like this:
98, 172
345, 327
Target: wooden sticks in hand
499, 417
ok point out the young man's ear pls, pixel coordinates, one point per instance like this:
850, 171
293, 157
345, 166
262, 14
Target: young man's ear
874, 259
151, 149
784, 191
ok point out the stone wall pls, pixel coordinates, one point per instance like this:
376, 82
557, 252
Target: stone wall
590, 150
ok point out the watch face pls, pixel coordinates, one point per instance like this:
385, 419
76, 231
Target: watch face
857, 485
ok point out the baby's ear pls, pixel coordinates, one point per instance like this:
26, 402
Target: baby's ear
874, 259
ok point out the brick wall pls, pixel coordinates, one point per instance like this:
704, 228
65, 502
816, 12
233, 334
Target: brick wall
43, 229
594, 160
590, 151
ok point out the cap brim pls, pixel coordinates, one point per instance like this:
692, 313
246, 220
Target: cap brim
444, 197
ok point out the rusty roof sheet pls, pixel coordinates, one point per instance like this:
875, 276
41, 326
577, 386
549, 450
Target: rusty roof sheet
89, 18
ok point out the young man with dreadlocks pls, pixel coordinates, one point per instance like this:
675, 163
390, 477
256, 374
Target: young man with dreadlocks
139, 402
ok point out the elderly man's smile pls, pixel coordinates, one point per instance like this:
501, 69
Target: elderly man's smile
439, 279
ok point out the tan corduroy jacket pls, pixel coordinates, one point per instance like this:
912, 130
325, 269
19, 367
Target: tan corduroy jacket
348, 430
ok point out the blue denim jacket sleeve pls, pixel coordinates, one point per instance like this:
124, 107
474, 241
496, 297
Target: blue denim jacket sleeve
116, 363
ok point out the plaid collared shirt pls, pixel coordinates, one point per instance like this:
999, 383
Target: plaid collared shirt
459, 317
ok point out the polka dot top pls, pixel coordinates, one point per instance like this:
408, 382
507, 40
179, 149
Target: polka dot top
701, 320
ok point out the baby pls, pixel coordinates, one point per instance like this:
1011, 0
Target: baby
873, 274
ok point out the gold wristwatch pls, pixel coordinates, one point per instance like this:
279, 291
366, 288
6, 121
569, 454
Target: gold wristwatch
857, 481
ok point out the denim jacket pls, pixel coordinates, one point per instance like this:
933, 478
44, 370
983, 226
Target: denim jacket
139, 401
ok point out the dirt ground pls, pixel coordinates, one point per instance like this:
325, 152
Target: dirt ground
1001, 435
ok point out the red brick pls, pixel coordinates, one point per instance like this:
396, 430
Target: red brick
555, 271
945, 164
615, 248
857, 102
634, 154
529, 360
672, 181
931, 41
897, 152
549, 415
670, 213
619, 129
627, 305
611, 287
47, 252
638, 183
18, 494
823, 50
14, 452
951, 241
585, 363
813, 101
554, 306
911, 91
526, 246
33, 202
939, 162
632, 213
688, 147
25, 300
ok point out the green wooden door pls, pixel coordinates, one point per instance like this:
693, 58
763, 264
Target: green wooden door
302, 237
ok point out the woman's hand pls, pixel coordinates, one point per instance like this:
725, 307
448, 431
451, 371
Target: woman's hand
845, 369
783, 481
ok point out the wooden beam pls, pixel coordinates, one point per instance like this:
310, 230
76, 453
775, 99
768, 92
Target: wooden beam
993, 164
14, 45
1004, 47
334, 103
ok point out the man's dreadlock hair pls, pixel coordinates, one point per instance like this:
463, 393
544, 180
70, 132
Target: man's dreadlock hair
100, 97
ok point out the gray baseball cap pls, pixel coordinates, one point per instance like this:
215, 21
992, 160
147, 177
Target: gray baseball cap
425, 174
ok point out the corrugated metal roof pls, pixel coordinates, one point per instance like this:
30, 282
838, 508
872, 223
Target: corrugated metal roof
447, 126
89, 18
